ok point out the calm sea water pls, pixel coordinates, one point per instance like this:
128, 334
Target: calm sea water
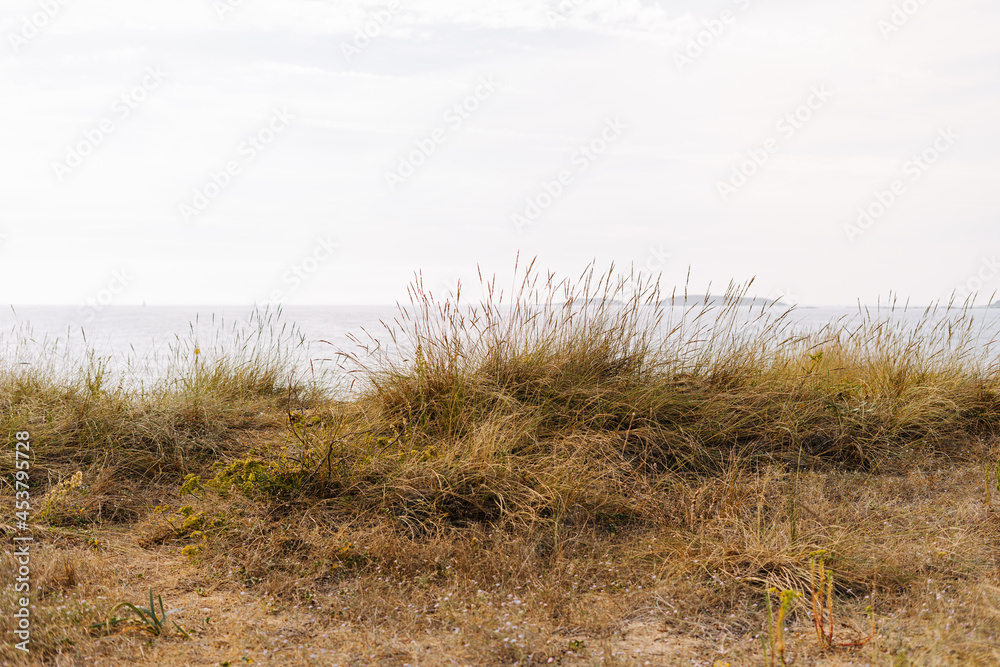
140, 342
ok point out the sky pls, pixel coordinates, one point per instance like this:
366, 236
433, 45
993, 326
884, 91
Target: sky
322, 152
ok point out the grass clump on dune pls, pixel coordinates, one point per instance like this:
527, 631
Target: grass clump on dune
574, 401
86, 417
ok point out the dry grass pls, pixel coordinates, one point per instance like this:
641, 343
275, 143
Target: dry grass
584, 475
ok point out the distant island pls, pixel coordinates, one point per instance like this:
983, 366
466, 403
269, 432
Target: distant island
721, 300
691, 299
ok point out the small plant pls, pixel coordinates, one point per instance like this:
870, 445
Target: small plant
253, 476
55, 498
821, 583
184, 522
153, 623
192, 486
776, 627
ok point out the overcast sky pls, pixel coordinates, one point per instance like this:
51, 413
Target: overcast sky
312, 151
